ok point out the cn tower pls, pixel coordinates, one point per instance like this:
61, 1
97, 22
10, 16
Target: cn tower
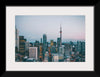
60, 36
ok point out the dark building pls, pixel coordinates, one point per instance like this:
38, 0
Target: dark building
53, 49
36, 44
58, 44
16, 40
31, 44
83, 48
44, 42
54, 44
22, 45
79, 46
71, 43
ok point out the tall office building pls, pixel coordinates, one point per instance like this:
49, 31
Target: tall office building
79, 46
44, 43
83, 47
67, 50
33, 53
22, 45
17, 39
27, 44
36, 44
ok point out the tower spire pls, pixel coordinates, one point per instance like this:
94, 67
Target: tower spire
60, 35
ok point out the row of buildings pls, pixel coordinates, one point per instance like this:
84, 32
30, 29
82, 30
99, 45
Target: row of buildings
45, 51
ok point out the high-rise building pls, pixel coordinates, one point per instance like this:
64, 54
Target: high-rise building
79, 46
17, 40
54, 44
33, 53
47, 46
36, 44
22, 45
53, 49
67, 50
61, 50
83, 48
51, 44
58, 44
27, 44
44, 43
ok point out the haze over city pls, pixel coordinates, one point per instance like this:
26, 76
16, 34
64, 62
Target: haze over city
33, 27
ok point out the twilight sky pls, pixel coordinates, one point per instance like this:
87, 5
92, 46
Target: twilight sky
33, 27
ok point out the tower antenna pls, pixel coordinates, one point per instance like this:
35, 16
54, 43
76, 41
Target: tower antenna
60, 35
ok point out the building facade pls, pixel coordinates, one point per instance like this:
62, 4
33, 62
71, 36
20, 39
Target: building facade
33, 53
17, 39
44, 44
22, 43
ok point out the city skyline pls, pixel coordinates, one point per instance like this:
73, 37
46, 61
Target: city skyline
33, 27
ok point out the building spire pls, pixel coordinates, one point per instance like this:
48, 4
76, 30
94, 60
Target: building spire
60, 35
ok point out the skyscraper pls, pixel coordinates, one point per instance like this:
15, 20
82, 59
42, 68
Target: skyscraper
17, 39
44, 44
83, 48
36, 44
79, 46
22, 45
27, 48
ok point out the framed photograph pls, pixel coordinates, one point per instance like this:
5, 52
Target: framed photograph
50, 39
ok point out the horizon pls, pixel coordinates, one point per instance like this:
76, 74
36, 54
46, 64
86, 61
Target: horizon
73, 27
